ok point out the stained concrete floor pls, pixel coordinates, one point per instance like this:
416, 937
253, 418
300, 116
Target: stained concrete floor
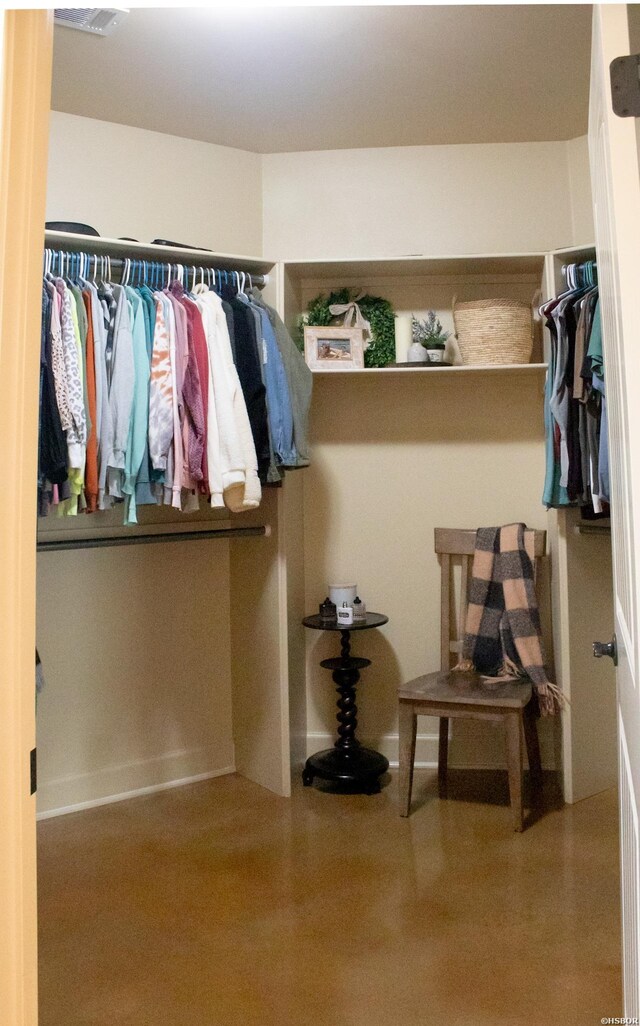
219, 904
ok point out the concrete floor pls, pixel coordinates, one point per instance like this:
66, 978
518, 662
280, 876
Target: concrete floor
219, 904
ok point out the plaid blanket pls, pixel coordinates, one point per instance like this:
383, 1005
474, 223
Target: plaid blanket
502, 633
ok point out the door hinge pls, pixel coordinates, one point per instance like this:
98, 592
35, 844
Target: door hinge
625, 86
33, 758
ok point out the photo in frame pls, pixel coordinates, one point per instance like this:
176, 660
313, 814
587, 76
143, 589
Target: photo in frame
333, 348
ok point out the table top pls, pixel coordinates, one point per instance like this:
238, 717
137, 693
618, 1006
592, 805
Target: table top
372, 620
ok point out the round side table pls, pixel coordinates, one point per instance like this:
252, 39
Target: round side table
347, 763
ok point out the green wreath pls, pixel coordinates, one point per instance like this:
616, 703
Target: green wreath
379, 313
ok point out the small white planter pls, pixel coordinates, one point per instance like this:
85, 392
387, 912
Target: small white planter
435, 355
417, 353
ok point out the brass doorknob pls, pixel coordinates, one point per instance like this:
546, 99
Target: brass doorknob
606, 648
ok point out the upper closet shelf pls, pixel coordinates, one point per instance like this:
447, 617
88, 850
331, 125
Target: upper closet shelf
161, 254
501, 264
576, 251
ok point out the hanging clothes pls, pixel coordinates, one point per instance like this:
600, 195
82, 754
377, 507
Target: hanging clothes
52, 449
232, 458
299, 382
576, 444
151, 392
248, 365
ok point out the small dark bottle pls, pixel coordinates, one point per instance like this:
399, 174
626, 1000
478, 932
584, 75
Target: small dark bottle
328, 612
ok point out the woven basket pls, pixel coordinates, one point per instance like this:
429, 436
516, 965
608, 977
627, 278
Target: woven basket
497, 331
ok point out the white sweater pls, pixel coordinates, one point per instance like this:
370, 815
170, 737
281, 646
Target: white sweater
231, 453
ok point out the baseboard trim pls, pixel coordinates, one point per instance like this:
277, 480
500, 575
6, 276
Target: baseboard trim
426, 751
136, 793
111, 779
387, 745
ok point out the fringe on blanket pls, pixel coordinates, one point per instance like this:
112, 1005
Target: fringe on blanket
503, 623
549, 695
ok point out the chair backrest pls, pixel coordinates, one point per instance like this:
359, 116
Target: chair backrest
452, 544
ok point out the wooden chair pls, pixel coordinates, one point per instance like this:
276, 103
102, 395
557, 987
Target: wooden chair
451, 695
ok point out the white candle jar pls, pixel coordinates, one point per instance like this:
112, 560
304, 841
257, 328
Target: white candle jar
341, 593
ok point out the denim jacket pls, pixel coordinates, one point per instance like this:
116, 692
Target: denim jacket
299, 381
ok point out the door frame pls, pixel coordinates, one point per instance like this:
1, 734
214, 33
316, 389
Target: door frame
26, 41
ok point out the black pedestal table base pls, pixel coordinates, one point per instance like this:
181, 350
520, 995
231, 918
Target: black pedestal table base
360, 768
348, 764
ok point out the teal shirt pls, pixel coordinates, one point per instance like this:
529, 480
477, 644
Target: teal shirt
137, 441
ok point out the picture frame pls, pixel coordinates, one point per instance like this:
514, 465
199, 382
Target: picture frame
333, 348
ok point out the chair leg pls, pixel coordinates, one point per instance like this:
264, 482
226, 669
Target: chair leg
408, 724
443, 751
533, 746
514, 763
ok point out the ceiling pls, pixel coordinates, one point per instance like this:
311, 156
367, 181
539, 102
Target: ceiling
282, 79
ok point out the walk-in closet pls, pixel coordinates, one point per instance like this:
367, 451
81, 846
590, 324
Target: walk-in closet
272, 157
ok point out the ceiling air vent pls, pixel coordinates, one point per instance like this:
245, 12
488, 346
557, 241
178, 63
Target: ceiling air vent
100, 21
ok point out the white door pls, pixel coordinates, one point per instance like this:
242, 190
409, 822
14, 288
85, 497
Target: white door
616, 195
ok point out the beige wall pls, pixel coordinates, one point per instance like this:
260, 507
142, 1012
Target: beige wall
136, 653
417, 200
593, 750
395, 457
580, 191
393, 201
144, 185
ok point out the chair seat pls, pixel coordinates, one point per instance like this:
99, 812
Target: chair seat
466, 687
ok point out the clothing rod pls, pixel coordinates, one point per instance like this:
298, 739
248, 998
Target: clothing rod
62, 545
594, 528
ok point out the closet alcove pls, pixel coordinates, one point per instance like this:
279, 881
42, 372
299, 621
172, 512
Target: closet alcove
168, 661
395, 453
398, 452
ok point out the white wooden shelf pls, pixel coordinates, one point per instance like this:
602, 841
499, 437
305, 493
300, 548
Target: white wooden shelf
509, 368
74, 242
417, 264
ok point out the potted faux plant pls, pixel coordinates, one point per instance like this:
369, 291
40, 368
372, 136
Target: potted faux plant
430, 334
